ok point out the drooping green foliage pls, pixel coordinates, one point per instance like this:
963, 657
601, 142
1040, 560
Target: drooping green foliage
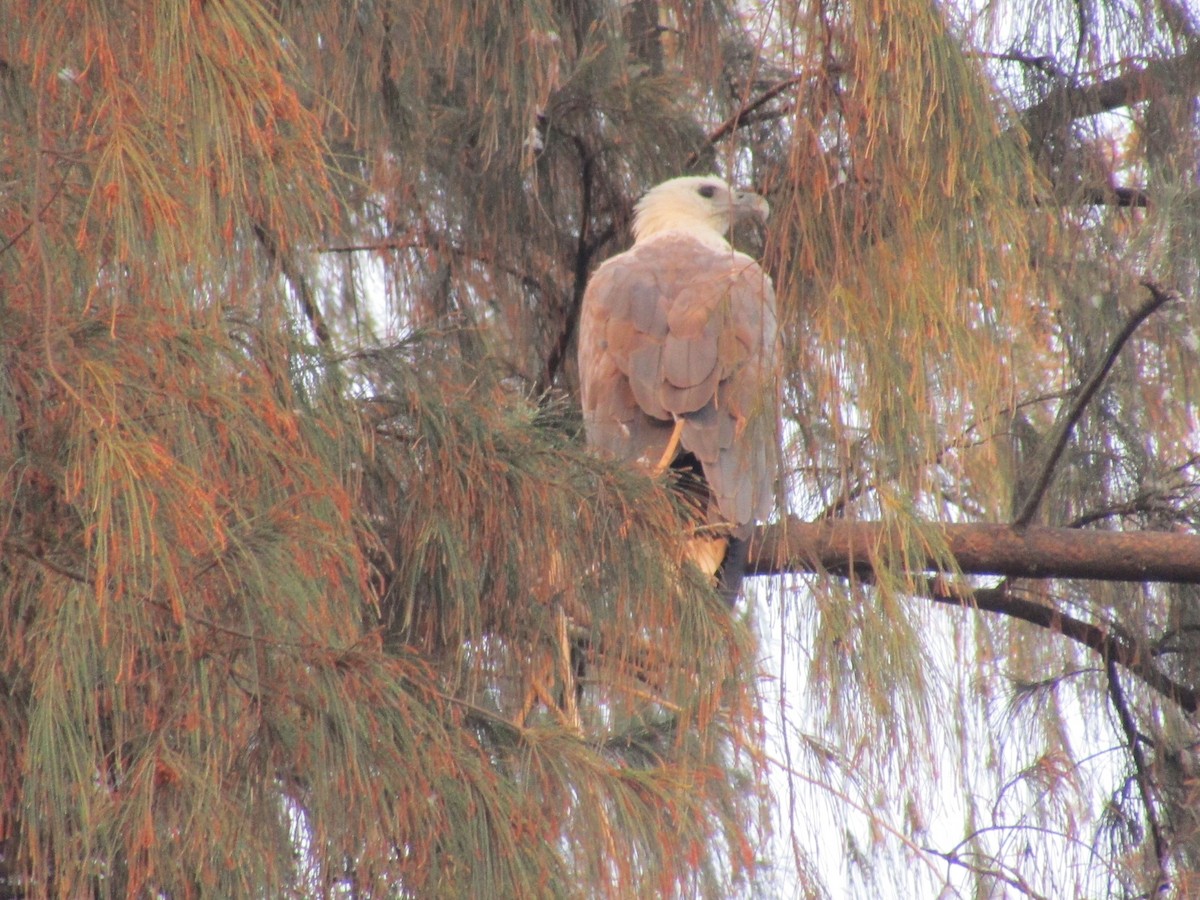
307, 584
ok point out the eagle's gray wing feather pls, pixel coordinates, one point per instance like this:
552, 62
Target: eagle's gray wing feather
675, 328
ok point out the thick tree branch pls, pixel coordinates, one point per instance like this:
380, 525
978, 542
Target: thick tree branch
1180, 74
1067, 419
985, 549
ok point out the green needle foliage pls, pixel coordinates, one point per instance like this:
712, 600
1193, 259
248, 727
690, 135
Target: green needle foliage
308, 586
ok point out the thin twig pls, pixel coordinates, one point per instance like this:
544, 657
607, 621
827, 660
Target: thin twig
741, 117
1066, 421
1140, 772
429, 240
41, 251
1125, 197
11, 546
1043, 63
583, 260
1014, 881
35, 219
867, 809
304, 294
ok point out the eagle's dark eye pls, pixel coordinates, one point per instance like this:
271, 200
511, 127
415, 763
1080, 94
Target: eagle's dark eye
708, 191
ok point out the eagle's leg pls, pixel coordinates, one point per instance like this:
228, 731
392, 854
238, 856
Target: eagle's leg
672, 446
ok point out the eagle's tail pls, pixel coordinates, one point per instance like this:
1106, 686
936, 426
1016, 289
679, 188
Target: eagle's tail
733, 568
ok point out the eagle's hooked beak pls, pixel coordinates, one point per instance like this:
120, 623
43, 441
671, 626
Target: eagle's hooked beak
748, 205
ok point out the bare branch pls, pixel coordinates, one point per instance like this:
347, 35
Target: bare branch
1141, 775
1014, 880
1121, 197
583, 258
1111, 647
1180, 74
12, 546
8, 244
742, 116
1066, 421
299, 284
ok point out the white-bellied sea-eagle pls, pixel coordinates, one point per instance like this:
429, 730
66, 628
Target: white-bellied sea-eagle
677, 362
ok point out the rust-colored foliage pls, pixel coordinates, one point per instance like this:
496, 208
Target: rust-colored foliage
307, 585
270, 617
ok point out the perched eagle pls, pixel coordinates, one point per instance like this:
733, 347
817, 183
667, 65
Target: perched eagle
677, 362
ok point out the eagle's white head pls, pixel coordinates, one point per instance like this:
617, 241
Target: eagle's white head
704, 207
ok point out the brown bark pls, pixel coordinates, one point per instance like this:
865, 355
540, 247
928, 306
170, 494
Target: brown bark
1178, 75
1034, 552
